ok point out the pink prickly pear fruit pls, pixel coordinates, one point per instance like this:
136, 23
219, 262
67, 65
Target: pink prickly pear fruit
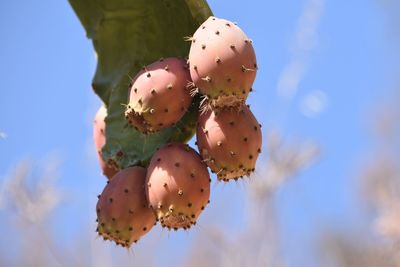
178, 185
159, 95
109, 170
223, 63
229, 141
123, 213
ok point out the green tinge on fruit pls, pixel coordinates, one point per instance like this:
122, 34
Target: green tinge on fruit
229, 141
123, 213
178, 185
128, 35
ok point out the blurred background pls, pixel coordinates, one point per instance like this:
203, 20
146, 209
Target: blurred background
326, 191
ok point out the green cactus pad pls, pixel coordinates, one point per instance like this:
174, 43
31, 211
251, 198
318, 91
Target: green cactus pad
128, 35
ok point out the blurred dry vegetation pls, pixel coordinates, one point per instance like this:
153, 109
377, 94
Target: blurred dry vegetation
32, 205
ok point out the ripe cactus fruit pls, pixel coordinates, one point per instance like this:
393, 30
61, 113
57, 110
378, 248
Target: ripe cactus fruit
178, 185
159, 96
229, 141
123, 213
222, 62
109, 170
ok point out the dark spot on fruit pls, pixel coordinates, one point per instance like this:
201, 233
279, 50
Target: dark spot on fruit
189, 205
126, 190
177, 164
144, 228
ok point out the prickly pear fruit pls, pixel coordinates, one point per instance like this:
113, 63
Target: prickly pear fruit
222, 62
178, 185
229, 141
159, 96
123, 213
109, 170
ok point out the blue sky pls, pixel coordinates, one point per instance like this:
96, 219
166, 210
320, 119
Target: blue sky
342, 58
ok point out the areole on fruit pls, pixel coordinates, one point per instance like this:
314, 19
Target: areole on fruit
159, 96
222, 62
123, 213
178, 185
229, 141
109, 169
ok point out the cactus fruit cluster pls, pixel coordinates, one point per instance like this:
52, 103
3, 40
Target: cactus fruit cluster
172, 187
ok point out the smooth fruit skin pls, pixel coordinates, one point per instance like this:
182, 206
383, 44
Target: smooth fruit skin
229, 141
223, 63
178, 185
159, 95
108, 170
123, 213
